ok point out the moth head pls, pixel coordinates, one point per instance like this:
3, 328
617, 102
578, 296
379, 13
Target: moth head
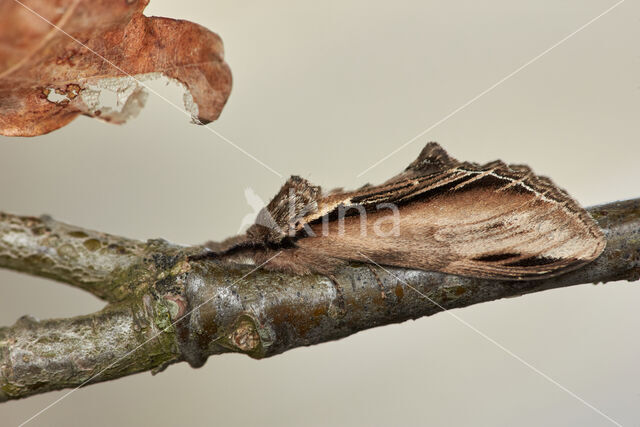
281, 218
265, 229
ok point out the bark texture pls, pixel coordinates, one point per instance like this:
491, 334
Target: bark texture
164, 307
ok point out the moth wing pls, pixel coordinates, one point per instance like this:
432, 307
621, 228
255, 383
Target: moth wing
433, 168
492, 221
433, 159
515, 233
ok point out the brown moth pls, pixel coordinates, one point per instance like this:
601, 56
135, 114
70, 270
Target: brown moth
493, 221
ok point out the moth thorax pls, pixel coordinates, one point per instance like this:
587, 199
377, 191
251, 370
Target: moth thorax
263, 234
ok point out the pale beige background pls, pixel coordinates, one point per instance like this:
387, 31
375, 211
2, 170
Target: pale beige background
325, 89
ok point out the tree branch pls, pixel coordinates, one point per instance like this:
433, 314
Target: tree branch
166, 307
63, 353
83, 258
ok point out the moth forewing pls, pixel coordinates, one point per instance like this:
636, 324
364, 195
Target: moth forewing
493, 221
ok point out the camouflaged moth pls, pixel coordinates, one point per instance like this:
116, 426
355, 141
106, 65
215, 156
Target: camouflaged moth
493, 221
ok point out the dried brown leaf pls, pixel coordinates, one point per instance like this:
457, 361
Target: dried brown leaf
47, 77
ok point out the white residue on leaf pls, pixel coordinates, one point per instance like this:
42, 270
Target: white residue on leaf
120, 98
55, 96
189, 104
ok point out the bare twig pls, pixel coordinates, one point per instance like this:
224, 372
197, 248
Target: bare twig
165, 307
83, 258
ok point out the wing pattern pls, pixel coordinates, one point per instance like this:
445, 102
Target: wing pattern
494, 220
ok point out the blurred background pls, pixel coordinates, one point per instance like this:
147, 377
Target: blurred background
325, 90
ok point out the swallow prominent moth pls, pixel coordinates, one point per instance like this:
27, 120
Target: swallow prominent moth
494, 221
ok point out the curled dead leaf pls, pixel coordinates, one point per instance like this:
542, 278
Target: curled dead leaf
49, 75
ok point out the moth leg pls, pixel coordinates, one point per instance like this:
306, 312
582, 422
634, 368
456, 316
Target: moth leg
380, 285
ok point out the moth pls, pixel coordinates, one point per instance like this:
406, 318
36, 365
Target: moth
493, 221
